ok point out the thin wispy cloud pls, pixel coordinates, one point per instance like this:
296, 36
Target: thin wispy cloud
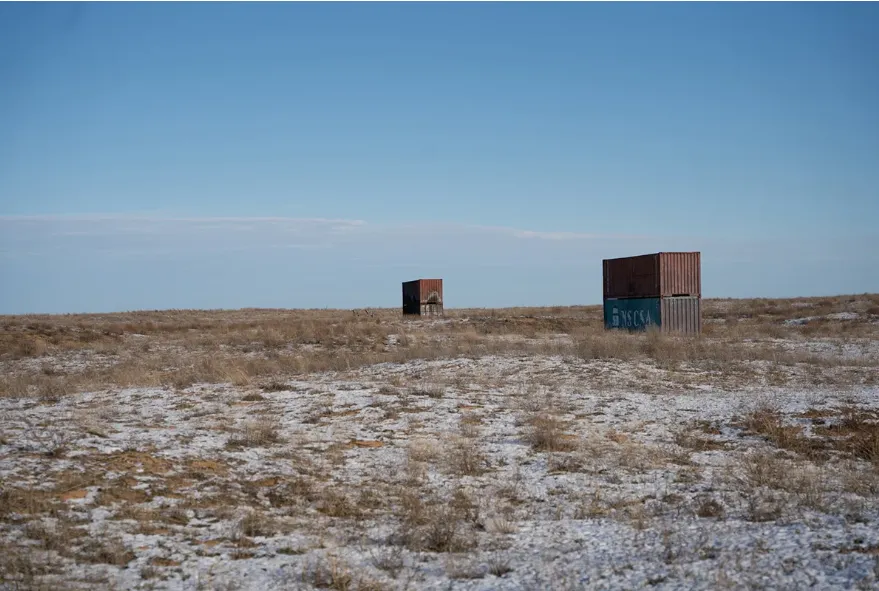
112, 262
160, 218
266, 231
168, 234
573, 235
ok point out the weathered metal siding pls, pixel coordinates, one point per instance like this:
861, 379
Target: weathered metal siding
431, 291
423, 297
631, 313
663, 274
680, 274
681, 315
411, 297
631, 277
678, 315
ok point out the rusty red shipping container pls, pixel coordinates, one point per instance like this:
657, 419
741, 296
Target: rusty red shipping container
423, 297
657, 275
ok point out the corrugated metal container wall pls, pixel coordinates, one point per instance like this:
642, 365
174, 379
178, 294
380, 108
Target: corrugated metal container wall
431, 291
423, 297
663, 274
631, 313
631, 277
678, 315
680, 274
682, 315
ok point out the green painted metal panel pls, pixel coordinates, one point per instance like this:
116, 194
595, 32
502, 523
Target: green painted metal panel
632, 314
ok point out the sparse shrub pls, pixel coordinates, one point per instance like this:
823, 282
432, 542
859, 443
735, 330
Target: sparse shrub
21, 569
275, 387
501, 524
764, 507
457, 569
14, 387
607, 345
857, 433
565, 462
255, 434
390, 560
469, 429
174, 515
288, 551
332, 573
26, 346
443, 532
865, 445
433, 526
57, 539
255, 524
592, 507
271, 338
689, 440
667, 350
23, 501
499, 566
336, 504
768, 422
465, 507
465, 458
431, 391
422, 450
546, 433
51, 390
763, 469
105, 551
709, 508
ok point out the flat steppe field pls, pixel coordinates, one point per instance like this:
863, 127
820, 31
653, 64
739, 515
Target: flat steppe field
490, 449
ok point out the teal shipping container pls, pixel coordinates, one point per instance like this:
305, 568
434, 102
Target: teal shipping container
680, 314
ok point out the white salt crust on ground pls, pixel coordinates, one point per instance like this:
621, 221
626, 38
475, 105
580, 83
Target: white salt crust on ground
625, 518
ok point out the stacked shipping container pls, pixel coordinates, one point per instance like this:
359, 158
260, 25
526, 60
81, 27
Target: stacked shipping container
663, 289
423, 297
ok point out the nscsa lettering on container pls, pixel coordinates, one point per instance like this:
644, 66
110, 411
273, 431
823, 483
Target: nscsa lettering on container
631, 318
662, 289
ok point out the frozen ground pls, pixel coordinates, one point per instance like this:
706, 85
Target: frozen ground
493, 472
849, 316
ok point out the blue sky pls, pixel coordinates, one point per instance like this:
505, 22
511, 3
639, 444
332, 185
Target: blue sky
307, 155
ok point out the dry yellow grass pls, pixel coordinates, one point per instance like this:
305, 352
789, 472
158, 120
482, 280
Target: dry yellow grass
181, 347
433, 452
48, 356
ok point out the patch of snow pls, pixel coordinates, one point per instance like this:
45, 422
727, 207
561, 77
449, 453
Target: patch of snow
553, 540
808, 319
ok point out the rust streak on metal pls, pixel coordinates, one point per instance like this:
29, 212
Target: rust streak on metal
662, 274
423, 297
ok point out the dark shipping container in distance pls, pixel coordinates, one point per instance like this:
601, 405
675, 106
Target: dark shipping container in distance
423, 297
657, 275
